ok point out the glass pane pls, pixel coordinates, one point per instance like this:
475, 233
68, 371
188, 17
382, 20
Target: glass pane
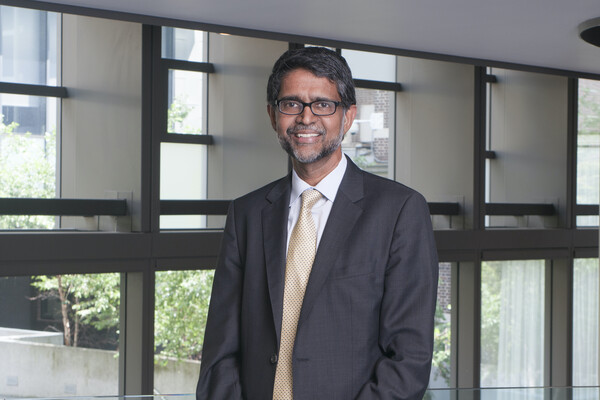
182, 171
588, 148
440, 371
182, 177
183, 44
585, 322
59, 335
28, 47
27, 155
186, 100
371, 66
512, 335
369, 140
182, 299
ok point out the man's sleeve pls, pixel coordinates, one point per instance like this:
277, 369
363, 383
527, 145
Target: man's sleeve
219, 370
407, 309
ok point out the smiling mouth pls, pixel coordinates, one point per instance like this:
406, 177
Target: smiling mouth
306, 135
305, 131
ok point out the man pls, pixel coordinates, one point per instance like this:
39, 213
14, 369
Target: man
326, 283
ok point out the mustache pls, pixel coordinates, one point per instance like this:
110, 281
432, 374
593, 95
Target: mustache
301, 127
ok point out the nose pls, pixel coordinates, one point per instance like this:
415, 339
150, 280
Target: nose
306, 117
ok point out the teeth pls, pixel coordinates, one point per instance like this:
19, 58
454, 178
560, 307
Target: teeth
305, 135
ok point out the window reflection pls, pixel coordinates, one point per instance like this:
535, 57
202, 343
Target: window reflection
368, 142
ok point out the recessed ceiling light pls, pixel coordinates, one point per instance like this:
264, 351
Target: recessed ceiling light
590, 31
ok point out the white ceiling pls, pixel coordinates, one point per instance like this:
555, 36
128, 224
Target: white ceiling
532, 32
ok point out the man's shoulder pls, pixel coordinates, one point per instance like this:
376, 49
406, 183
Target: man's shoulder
376, 186
267, 192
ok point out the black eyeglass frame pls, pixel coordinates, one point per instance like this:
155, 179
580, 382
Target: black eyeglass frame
335, 103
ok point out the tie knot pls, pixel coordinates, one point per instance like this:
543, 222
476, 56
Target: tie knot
309, 198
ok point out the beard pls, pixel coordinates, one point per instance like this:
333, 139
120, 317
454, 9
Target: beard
327, 147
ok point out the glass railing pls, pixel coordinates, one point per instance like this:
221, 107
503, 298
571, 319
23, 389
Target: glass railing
547, 393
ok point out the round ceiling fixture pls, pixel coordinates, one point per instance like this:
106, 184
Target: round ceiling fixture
590, 31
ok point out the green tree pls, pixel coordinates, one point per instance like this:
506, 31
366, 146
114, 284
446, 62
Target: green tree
181, 303
87, 300
89, 303
490, 313
27, 169
441, 346
177, 115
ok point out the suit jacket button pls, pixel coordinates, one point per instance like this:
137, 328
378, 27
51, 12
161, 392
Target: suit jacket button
274, 359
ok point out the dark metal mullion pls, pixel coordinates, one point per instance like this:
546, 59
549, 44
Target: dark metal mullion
519, 209
194, 66
479, 148
587, 209
479, 176
194, 207
572, 110
65, 207
34, 90
378, 85
220, 207
439, 208
147, 118
159, 122
187, 138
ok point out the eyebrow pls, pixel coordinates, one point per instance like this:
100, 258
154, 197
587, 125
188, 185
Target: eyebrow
319, 98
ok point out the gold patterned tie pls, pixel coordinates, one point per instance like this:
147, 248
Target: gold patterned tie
301, 254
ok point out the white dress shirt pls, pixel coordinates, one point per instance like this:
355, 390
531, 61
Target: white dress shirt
320, 211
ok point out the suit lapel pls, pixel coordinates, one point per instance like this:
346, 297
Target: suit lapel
342, 218
274, 225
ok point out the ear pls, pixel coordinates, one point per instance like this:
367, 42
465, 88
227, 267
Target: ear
349, 115
272, 115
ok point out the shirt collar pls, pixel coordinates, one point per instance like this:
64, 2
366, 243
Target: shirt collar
328, 185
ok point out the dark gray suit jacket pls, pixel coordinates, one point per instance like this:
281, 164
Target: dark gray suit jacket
366, 326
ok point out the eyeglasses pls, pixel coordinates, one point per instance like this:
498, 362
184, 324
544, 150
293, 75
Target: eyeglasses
318, 107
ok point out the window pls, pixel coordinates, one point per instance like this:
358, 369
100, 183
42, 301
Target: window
368, 143
29, 45
181, 307
588, 150
184, 163
89, 120
512, 323
585, 322
59, 335
370, 140
441, 376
